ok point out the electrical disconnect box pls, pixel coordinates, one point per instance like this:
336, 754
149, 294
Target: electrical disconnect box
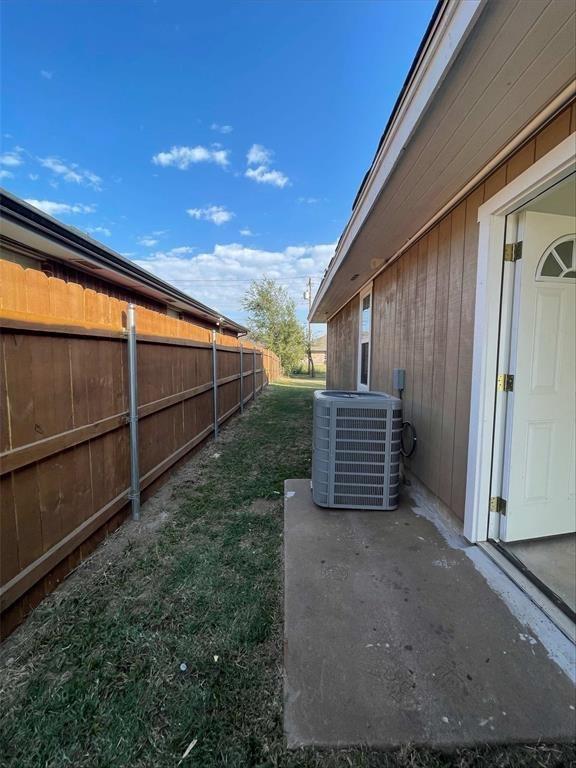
399, 378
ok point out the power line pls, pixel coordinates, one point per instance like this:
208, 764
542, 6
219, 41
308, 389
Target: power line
303, 278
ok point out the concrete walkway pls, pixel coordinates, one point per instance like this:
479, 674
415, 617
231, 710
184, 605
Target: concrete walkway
396, 633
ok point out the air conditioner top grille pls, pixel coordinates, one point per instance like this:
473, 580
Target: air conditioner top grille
364, 398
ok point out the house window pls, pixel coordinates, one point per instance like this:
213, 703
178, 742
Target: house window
365, 339
366, 314
364, 362
558, 261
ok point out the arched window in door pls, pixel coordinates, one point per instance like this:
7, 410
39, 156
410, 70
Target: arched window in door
558, 261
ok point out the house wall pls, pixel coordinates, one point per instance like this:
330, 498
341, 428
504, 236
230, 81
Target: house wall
319, 358
342, 351
423, 321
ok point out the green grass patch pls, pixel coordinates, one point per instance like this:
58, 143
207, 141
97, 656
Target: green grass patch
179, 637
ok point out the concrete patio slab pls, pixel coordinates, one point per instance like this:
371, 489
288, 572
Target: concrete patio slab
395, 634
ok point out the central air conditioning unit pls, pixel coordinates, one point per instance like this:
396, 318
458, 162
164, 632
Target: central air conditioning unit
356, 450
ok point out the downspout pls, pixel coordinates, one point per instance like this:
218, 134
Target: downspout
134, 494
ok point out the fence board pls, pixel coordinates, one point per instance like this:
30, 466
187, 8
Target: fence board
27, 508
9, 565
50, 492
4, 422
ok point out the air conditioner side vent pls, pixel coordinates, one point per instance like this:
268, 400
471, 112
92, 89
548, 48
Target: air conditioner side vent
356, 449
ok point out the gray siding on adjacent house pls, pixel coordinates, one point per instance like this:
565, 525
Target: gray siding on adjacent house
423, 320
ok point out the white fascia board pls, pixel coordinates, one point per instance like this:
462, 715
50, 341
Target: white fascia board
454, 26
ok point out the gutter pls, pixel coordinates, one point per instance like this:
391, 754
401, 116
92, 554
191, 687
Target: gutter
16, 210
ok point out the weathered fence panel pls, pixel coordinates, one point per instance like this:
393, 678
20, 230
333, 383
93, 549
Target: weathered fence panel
64, 435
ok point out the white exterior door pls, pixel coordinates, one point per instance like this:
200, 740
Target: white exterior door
540, 450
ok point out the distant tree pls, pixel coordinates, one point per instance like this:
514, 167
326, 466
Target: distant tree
273, 323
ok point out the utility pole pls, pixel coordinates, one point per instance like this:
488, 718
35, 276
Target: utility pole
308, 295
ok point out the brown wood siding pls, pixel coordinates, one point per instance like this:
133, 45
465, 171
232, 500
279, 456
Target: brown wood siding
423, 320
342, 348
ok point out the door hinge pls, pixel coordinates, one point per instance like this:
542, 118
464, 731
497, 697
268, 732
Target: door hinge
498, 504
505, 382
513, 251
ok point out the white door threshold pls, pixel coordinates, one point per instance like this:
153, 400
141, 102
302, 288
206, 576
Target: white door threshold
542, 601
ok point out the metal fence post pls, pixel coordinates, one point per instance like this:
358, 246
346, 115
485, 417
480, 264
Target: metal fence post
215, 383
253, 374
241, 380
134, 494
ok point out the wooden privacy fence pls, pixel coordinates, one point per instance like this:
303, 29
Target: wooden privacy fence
64, 429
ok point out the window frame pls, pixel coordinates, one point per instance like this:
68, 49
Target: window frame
366, 291
563, 276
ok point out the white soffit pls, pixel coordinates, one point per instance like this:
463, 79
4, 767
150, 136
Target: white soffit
489, 70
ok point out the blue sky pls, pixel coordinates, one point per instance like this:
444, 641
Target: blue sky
212, 142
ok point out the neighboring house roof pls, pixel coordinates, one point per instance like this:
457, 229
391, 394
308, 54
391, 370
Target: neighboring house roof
485, 77
41, 235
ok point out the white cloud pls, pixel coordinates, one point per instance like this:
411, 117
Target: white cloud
147, 242
262, 158
6, 174
71, 172
181, 250
152, 239
264, 175
259, 155
46, 74
59, 209
33, 176
309, 200
104, 231
172, 253
183, 157
11, 159
217, 214
220, 277
246, 232
221, 128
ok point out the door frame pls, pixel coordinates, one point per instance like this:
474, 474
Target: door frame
366, 291
544, 173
